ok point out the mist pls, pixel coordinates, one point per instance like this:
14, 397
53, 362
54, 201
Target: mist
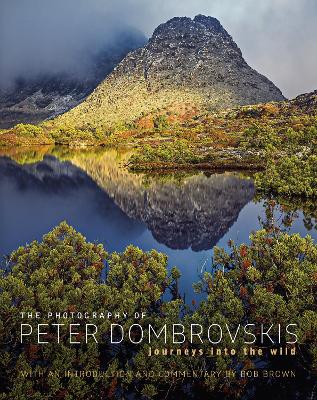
277, 37
51, 37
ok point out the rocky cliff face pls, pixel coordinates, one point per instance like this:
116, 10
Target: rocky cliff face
40, 97
192, 61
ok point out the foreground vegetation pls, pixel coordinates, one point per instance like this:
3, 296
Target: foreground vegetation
271, 281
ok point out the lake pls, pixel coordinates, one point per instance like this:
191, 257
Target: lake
183, 215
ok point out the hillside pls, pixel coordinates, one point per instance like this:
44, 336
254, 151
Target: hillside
36, 98
191, 62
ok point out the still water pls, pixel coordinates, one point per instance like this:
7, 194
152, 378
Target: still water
184, 216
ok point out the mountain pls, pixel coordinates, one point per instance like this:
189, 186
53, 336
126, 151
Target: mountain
191, 63
37, 98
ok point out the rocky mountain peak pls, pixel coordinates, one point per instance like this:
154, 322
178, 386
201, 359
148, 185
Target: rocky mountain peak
186, 61
192, 33
180, 25
194, 45
209, 22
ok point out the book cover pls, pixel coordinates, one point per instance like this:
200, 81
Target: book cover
158, 200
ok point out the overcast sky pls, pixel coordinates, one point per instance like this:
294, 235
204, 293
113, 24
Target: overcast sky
277, 37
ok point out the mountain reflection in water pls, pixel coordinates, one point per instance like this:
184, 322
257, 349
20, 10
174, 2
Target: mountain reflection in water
183, 217
195, 213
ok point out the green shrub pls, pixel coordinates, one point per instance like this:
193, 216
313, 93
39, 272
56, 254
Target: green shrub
161, 122
69, 134
28, 130
289, 176
272, 280
260, 138
179, 152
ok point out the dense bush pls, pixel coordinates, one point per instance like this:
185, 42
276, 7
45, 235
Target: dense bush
272, 280
289, 176
65, 273
28, 130
260, 138
161, 122
286, 140
68, 135
179, 152
291, 159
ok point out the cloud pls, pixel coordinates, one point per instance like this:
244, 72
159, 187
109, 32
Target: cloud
277, 37
44, 36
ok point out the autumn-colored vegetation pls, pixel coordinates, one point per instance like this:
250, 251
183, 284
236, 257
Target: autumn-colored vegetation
278, 138
24, 135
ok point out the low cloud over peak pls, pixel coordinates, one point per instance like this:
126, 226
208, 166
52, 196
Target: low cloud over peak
277, 37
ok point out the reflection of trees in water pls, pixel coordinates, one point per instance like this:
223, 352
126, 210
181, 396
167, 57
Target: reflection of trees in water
284, 211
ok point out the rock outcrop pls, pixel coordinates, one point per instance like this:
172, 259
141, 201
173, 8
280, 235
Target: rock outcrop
191, 61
